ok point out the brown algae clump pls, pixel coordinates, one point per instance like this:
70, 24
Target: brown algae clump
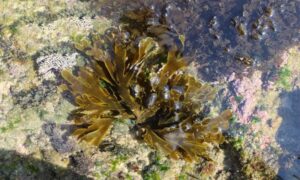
148, 84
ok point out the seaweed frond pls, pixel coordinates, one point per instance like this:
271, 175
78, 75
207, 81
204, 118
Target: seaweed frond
189, 140
102, 91
149, 85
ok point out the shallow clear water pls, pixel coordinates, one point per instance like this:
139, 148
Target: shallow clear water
222, 32
222, 36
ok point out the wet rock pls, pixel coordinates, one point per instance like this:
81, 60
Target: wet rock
81, 163
35, 96
60, 143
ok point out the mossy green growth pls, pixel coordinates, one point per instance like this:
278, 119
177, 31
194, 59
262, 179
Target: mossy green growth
76, 38
10, 125
284, 76
233, 119
128, 177
32, 168
152, 176
115, 164
161, 166
238, 98
238, 143
14, 27
156, 168
182, 177
42, 113
255, 120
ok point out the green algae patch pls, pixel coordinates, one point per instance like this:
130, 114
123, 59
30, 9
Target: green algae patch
256, 120
14, 119
288, 73
284, 78
152, 176
157, 168
12, 124
182, 177
115, 163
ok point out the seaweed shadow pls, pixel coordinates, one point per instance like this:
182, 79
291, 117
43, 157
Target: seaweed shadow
17, 166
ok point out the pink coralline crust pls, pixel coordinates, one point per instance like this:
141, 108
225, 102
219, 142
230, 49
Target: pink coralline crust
282, 60
235, 108
265, 141
244, 96
248, 89
263, 115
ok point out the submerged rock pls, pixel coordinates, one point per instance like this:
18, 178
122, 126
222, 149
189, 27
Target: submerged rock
218, 31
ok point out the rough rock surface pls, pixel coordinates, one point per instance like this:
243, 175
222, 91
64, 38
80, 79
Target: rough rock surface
267, 117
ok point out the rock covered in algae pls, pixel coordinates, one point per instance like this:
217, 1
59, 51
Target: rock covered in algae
33, 115
29, 99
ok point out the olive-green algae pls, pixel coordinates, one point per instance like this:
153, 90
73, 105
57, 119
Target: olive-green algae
98, 106
284, 76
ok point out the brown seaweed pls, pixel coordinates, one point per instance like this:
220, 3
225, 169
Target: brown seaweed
150, 85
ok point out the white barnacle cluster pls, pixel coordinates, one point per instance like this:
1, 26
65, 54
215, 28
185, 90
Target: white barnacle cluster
47, 65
